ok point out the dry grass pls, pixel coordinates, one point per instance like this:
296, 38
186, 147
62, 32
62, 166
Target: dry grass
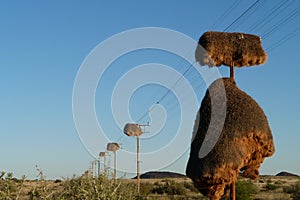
54, 189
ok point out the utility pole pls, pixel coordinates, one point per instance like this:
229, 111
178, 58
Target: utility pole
114, 147
232, 71
131, 129
232, 191
98, 166
138, 162
102, 154
104, 166
138, 156
92, 170
115, 165
95, 172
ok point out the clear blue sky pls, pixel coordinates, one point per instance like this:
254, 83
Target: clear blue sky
43, 44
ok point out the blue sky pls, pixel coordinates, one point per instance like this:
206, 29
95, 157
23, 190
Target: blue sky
44, 43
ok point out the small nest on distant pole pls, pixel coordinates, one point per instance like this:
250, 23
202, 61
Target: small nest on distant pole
102, 154
221, 48
112, 147
131, 129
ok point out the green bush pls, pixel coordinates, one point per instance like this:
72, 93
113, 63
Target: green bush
245, 190
270, 186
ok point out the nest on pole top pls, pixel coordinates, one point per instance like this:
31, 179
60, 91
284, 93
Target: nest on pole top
113, 146
238, 49
245, 140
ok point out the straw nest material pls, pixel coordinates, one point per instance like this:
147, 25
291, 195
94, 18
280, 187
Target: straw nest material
113, 146
102, 154
244, 142
239, 49
133, 130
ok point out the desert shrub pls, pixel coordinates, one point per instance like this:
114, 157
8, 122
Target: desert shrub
159, 188
80, 188
57, 181
170, 188
10, 188
280, 182
294, 190
270, 186
43, 189
269, 181
261, 181
190, 186
245, 190
146, 188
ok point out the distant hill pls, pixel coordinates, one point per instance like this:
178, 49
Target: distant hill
285, 174
167, 174
160, 175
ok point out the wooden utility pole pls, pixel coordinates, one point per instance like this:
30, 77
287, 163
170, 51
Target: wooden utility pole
114, 147
232, 191
98, 166
102, 154
95, 163
115, 165
104, 166
131, 129
232, 185
138, 162
232, 71
138, 156
92, 170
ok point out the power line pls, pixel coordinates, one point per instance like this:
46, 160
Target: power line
164, 96
174, 104
225, 14
284, 39
276, 10
247, 15
247, 10
184, 90
282, 23
167, 93
181, 65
